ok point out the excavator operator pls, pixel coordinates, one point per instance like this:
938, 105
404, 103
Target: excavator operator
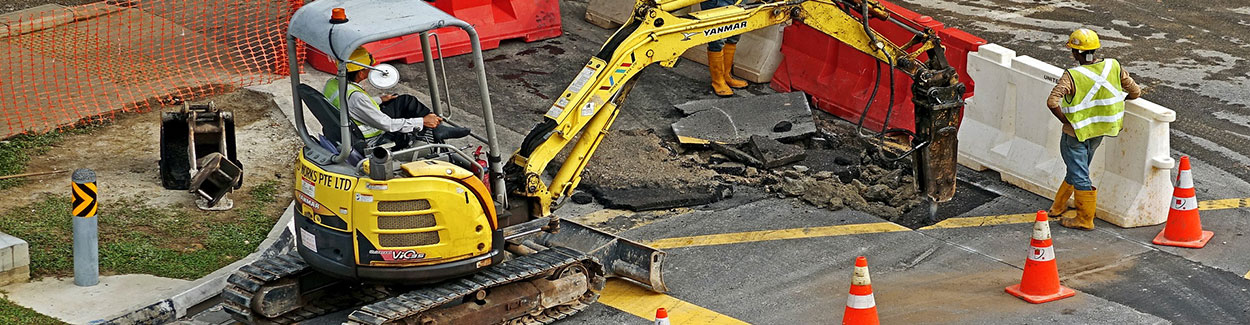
399, 118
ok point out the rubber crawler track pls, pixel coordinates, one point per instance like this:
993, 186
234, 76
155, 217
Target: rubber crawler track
244, 283
413, 303
388, 307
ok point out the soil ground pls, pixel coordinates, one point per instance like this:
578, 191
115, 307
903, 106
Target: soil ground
15, 5
137, 214
125, 155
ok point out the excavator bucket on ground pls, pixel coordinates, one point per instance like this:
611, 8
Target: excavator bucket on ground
620, 257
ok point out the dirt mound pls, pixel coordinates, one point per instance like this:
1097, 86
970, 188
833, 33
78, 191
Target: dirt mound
639, 158
636, 170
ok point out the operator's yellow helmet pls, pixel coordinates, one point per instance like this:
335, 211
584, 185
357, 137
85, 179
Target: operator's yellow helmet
1084, 39
359, 55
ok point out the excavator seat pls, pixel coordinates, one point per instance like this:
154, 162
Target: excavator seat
328, 116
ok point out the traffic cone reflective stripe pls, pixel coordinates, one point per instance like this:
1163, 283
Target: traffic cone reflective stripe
1184, 227
861, 307
661, 317
1040, 282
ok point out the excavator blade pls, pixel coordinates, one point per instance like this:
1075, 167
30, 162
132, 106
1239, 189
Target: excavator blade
620, 257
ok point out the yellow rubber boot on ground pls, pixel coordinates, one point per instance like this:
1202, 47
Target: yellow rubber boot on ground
716, 65
1061, 200
729, 67
1086, 204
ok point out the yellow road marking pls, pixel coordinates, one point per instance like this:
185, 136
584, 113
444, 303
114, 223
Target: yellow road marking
1224, 204
880, 227
1247, 275
634, 299
1029, 217
983, 221
767, 235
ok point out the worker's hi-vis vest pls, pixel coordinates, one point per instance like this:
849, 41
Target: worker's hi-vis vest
1097, 108
331, 92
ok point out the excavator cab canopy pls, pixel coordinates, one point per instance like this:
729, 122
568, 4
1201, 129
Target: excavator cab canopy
367, 21
319, 26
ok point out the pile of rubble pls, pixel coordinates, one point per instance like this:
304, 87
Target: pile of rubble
820, 174
827, 166
727, 142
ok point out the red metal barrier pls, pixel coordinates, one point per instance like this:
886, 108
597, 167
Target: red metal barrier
495, 20
840, 78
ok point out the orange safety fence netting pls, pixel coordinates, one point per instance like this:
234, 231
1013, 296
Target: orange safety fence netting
62, 65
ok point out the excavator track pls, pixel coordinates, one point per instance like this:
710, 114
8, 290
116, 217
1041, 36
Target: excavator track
387, 307
411, 307
245, 284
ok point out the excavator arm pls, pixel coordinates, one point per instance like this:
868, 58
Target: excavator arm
654, 34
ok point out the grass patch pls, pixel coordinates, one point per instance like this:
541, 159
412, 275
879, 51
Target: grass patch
17, 150
11, 313
136, 238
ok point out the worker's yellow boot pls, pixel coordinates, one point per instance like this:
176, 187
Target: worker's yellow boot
716, 65
1061, 200
729, 67
1086, 204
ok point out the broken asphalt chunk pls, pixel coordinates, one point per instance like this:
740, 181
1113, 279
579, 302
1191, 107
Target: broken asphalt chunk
785, 116
773, 153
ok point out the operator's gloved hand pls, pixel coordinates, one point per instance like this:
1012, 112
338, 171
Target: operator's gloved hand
444, 132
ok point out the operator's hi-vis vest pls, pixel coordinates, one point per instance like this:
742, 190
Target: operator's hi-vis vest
331, 92
1097, 107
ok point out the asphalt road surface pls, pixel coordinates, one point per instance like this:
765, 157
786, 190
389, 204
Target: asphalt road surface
767, 260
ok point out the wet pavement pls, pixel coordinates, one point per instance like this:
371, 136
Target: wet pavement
794, 265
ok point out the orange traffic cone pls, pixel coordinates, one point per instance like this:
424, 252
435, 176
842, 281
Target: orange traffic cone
1184, 228
661, 317
861, 308
1040, 282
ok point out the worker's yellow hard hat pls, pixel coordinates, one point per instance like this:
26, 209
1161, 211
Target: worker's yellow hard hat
360, 55
1084, 39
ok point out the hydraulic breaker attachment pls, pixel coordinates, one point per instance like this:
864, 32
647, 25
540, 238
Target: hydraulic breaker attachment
198, 154
620, 257
938, 99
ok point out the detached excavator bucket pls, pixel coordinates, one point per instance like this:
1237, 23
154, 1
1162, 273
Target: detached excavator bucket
198, 152
620, 257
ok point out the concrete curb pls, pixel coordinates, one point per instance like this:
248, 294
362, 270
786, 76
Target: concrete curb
280, 241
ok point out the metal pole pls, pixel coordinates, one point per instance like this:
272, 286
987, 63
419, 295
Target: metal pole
435, 97
86, 237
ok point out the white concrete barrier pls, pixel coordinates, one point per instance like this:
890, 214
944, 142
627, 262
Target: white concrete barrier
759, 51
1007, 128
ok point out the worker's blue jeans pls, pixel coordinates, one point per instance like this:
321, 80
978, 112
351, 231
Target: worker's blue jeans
1077, 156
718, 45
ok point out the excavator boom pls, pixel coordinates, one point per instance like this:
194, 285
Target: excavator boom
654, 34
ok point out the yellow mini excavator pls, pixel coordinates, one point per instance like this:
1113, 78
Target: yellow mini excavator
432, 235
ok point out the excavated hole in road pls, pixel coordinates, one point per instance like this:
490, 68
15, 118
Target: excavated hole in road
637, 170
842, 170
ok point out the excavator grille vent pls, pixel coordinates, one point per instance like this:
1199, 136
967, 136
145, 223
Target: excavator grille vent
406, 222
403, 206
409, 239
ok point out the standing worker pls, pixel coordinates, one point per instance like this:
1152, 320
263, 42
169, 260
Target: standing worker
720, 57
1090, 106
399, 118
